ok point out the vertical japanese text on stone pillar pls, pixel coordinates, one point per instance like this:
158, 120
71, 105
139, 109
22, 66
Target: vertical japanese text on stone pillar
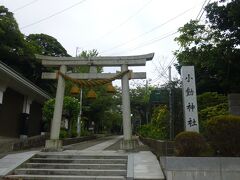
189, 99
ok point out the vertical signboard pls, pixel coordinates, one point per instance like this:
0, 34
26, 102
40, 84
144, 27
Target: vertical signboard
189, 99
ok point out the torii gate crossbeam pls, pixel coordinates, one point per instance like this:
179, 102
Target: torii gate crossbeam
63, 62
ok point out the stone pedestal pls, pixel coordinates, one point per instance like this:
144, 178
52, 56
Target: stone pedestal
128, 144
53, 145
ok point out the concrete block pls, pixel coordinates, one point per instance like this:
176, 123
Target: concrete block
234, 175
192, 175
192, 163
128, 144
130, 167
230, 164
53, 145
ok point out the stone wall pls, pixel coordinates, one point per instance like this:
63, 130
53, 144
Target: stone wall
38, 141
201, 168
34, 141
159, 147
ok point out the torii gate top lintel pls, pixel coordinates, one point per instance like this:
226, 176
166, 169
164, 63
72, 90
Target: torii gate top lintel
137, 60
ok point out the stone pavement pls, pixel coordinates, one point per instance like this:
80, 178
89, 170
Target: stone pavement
11, 161
145, 164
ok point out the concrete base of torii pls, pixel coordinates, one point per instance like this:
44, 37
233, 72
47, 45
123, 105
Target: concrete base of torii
128, 144
53, 145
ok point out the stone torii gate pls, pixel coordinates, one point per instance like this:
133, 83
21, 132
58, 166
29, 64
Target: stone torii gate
63, 62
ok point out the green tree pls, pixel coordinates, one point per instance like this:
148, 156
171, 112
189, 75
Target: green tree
139, 99
96, 110
49, 46
210, 104
17, 51
70, 110
177, 105
104, 110
213, 48
46, 45
14, 50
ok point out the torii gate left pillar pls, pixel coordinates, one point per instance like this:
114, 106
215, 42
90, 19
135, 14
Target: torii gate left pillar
54, 142
126, 112
123, 61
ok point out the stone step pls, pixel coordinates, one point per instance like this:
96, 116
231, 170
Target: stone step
57, 177
78, 161
79, 172
79, 156
74, 166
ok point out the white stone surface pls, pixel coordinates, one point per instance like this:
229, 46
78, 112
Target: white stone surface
139, 60
189, 98
103, 145
146, 166
50, 75
11, 161
57, 114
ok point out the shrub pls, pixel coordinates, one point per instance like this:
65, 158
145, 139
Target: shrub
70, 105
158, 128
190, 144
210, 104
223, 133
151, 131
209, 112
63, 134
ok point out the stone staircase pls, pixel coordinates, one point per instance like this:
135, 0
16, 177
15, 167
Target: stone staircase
66, 166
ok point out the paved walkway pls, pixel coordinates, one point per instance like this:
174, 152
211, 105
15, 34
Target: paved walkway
11, 161
146, 165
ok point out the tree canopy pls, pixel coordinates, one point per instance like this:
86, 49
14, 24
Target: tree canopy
213, 48
46, 45
17, 50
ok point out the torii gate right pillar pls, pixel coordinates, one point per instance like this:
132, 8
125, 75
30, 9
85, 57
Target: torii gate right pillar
127, 142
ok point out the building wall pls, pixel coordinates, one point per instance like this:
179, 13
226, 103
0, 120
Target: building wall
10, 115
10, 111
35, 120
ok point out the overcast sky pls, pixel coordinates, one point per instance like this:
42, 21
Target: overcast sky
113, 27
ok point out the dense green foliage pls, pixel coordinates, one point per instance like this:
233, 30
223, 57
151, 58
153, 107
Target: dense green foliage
159, 126
18, 51
190, 144
223, 135
210, 99
105, 105
177, 106
70, 111
139, 98
14, 50
213, 48
210, 104
46, 45
103, 111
